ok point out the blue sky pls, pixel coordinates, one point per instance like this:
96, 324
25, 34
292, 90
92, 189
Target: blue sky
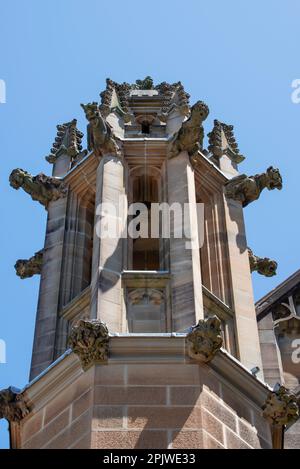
239, 57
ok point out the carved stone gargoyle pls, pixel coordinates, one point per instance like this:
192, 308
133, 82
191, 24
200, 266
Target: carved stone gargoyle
99, 134
281, 407
26, 268
89, 340
42, 188
246, 189
67, 141
262, 265
222, 142
204, 340
190, 136
13, 406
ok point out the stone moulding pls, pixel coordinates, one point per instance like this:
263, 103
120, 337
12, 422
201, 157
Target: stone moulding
190, 136
42, 188
67, 141
246, 189
26, 268
89, 340
99, 134
204, 340
281, 407
13, 405
262, 265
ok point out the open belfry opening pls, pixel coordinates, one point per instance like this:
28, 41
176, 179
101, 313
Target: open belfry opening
151, 340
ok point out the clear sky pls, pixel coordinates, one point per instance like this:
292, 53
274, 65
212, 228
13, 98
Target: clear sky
239, 57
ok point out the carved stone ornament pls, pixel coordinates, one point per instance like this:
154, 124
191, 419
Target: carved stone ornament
246, 189
205, 339
262, 265
89, 340
222, 142
99, 134
281, 407
26, 268
146, 84
190, 136
13, 406
67, 141
42, 188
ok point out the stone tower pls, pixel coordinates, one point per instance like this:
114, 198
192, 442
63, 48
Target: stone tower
147, 341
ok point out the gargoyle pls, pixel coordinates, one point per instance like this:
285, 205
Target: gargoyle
246, 189
26, 268
190, 136
99, 134
205, 339
42, 188
13, 406
262, 265
281, 407
89, 340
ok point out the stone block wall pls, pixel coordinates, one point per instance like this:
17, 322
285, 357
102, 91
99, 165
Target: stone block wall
156, 406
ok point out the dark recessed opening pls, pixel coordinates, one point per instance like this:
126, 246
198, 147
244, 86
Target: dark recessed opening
145, 128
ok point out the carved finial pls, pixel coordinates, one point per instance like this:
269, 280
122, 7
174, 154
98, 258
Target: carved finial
89, 340
190, 136
281, 407
146, 84
67, 141
205, 339
222, 142
13, 406
26, 268
262, 265
42, 188
99, 134
246, 189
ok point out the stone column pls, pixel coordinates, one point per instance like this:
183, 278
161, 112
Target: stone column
107, 264
241, 285
45, 329
186, 283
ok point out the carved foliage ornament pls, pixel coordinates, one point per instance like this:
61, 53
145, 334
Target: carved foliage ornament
205, 339
26, 268
262, 265
281, 407
89, 340
246, 189
222, 141
42, 188
190, 136
99, 134
67, 141
13, 406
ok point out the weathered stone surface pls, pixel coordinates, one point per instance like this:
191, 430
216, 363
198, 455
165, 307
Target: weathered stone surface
190, 136
262, 265
146, 84
222, 142
246, 189
42, 188
281, 407
205, 339
100, 138
89, 340
13, 406
67, 141
26, 268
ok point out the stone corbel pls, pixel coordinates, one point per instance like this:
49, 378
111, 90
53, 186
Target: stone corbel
26, 268
13, 405
204, 340
246, 189
262, 265
42, 188
89, 339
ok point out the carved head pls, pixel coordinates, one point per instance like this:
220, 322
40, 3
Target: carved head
205, 339
199, 111
20, 267
16, 178
274, 179
268, 267
91, 110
